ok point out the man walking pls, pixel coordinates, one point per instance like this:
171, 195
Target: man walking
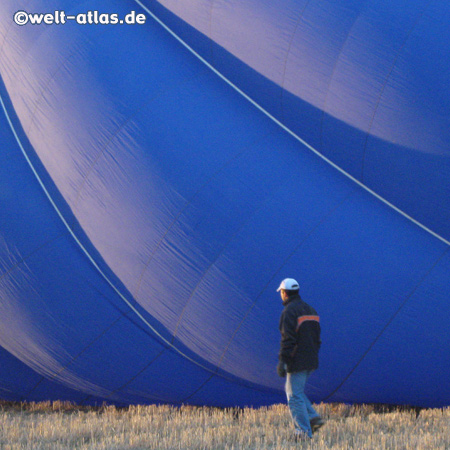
299, 356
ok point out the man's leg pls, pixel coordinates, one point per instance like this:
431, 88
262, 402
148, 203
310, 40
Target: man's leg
315, 420
299, 405
312, 413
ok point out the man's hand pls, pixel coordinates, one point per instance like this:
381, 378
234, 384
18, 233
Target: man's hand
281, 369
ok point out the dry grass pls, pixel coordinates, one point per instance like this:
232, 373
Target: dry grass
61, 426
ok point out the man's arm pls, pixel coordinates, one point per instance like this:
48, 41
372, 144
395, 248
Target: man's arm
288, 325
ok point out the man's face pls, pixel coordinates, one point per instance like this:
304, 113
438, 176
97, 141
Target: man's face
283, 295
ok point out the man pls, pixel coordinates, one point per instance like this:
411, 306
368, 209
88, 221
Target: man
299, 356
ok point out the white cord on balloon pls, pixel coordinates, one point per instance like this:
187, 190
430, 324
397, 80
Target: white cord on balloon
285, 128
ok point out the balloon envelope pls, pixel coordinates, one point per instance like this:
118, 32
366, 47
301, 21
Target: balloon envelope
159, 180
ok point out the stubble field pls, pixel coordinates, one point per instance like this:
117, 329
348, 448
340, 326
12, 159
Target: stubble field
63, 426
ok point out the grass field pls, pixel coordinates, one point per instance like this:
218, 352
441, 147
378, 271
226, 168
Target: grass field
58, 426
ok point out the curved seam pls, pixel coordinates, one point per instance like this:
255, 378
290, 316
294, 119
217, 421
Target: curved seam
344, 44
202, 385
243, 225
140, 372
330, 213
44, 89
212, 373
53, 75
288, 51
210, 30
120, 128
252, 386
313, 229
289, 131
188, 203
121, 316
29, 255
77, 356
384, 87
89, 345
394, 315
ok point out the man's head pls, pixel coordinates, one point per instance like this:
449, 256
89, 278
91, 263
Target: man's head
288, 288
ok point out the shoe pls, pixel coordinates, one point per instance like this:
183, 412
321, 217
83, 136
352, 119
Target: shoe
301, 436
316, 423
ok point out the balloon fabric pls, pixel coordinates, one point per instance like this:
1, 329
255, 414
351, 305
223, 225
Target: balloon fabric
159, 179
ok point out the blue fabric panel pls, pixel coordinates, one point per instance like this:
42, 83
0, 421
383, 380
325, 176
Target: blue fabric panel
25, 380
419, 169
410, 351
216, 391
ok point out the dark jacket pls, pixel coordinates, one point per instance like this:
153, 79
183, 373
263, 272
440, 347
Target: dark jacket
300, 335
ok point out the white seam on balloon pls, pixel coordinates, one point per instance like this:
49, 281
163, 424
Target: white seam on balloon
288, 130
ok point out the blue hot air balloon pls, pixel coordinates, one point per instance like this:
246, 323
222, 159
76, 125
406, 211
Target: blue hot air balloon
158, 180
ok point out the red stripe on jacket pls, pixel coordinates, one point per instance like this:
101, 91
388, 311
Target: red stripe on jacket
302, 319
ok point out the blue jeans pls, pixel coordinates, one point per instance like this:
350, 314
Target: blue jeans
301, 408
